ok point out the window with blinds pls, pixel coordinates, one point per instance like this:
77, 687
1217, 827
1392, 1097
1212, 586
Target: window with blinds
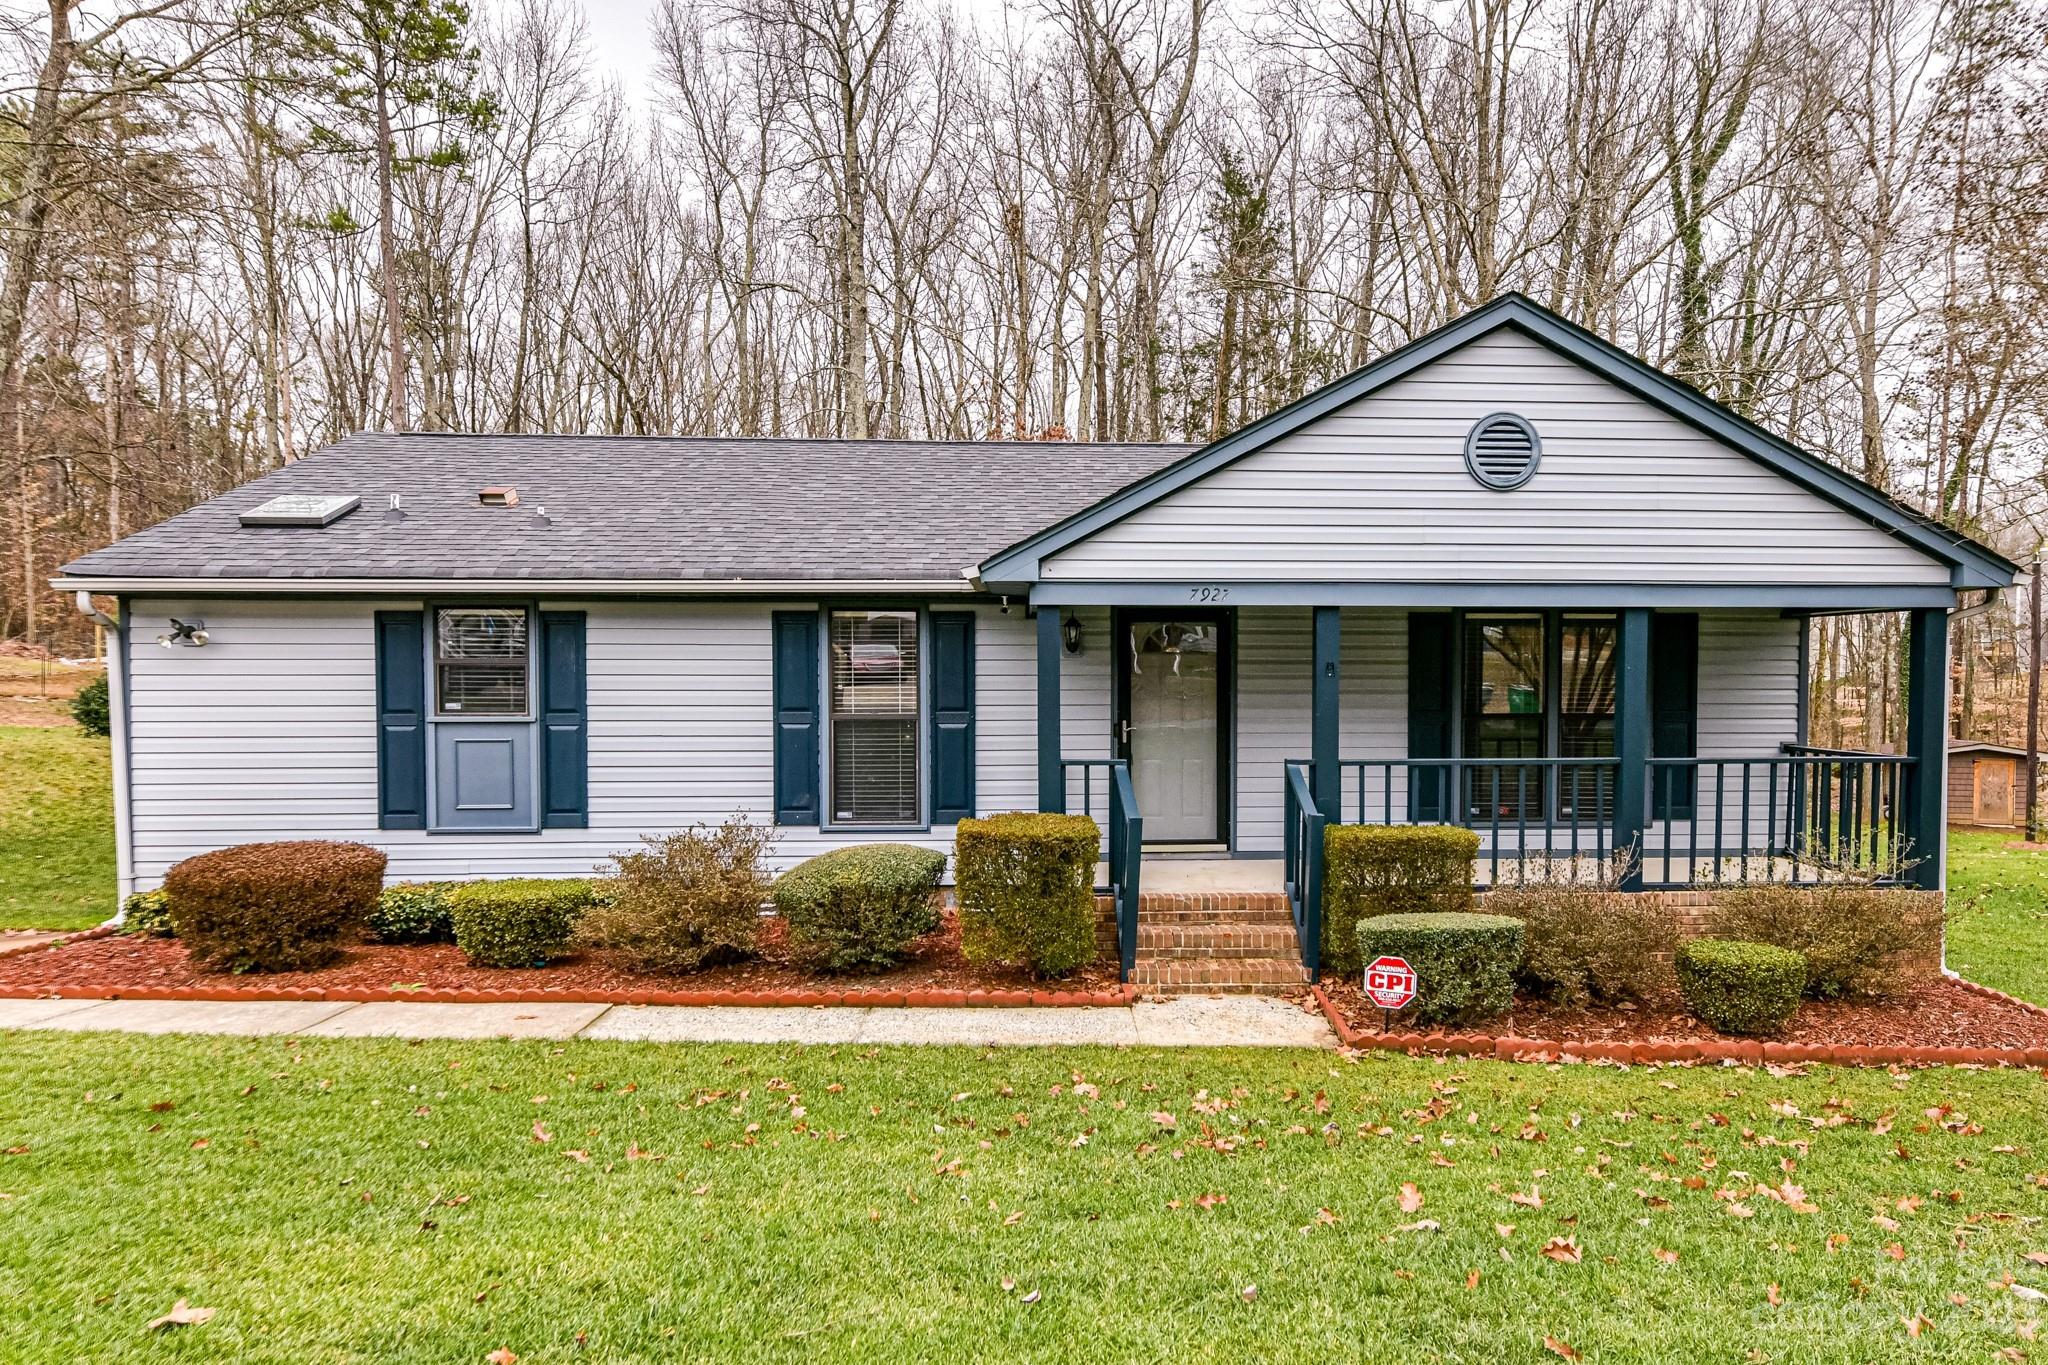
873, 684
480, 661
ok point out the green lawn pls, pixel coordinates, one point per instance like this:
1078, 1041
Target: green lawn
56, 829
379, 1201
1998, 913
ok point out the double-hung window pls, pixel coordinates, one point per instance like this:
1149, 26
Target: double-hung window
874, 712
481, 661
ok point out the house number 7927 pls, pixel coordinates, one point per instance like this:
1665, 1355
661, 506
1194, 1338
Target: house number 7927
1207, 594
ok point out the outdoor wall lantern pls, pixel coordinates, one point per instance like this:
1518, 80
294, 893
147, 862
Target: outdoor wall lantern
191, 633
1070, 634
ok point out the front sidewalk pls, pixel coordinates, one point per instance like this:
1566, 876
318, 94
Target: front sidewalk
1189, 1021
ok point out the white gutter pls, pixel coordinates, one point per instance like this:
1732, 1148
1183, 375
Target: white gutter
555, 587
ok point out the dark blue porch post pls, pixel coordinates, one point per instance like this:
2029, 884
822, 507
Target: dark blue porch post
1632, 738
1328, 779
1926, 742
1052, 786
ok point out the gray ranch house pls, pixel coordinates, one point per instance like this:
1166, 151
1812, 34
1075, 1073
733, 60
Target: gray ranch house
1508, 577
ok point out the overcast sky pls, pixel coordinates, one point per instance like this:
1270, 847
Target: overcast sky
618, 41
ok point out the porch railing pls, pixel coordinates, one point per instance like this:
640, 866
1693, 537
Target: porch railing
1559, 810
1303, 875
1807, 815
1123, 836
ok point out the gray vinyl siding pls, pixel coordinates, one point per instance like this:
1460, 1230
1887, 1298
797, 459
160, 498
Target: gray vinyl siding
269, 732
1379, 492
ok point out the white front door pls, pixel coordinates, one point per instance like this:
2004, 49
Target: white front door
1172, 725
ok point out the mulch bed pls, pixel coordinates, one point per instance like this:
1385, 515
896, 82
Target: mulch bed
130, 966
1937, 1015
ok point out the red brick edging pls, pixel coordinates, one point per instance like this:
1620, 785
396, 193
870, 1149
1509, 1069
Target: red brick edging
97, 931
356, 995
1751, 1051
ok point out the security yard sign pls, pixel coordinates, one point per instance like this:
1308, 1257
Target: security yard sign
1390, 984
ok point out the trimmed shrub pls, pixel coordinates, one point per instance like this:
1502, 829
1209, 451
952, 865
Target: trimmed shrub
1371, 870
687, 901
89, 708
147, 913
1852, 935
1584, 941
1737, 987
517, 922
1464, 963
413, 912
860, 907
1026, 888
281, 907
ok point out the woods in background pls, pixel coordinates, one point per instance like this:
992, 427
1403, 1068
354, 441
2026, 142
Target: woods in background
234, 230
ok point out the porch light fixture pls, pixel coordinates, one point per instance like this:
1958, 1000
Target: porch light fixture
1070, 634
191, 633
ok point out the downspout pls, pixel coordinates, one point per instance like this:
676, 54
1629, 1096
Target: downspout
118, 727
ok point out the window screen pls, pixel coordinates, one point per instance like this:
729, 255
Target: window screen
480, 661
873, 667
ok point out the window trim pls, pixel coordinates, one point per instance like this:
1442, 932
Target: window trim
429, 658
920, 726
433, 663
1552, 700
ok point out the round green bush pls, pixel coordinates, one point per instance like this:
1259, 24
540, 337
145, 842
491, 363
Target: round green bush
89, 708
413, 912
147, 913
517, 922
860, 907
1464, 963
279, 907
1739, 987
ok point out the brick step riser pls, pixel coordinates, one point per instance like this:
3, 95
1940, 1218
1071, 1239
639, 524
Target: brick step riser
1281, 916
1257, 975
1276, 942
1179, 900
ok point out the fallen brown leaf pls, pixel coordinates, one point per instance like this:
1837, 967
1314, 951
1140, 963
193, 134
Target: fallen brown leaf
1559, 1348
1411, 1198
182, 1314
1564, 1249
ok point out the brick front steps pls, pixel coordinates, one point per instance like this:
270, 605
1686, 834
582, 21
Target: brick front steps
1217, 943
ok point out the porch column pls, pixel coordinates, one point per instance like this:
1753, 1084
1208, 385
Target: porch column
1926, 743
1052, 786
1324, 749
1632, 737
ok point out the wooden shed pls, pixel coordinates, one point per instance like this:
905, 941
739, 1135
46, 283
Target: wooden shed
1986, 784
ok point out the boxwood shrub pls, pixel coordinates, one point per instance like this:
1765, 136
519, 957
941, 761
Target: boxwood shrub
1026, 888
517, 922
89, 708
1464, 963
147, 913
1373, 870
278, 907
1738, 987
860, 907
413, 912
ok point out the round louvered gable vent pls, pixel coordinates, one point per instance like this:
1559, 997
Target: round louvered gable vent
1502, 450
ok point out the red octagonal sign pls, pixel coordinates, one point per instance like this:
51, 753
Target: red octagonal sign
1389, 982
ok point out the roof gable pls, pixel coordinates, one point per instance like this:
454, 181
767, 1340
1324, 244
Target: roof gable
1966, 563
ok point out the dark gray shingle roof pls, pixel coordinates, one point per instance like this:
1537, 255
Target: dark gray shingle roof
641, 508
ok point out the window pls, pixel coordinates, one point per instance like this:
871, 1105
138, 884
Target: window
874, 680
1537, 687
480, 661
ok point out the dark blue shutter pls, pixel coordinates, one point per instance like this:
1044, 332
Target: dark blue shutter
564, 722
1431, 696
796, 669
952, 716
1674, 711
401, 720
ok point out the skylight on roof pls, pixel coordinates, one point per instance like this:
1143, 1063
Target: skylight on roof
301, 509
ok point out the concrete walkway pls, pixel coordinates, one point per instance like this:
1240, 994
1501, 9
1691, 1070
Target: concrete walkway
1187, 1021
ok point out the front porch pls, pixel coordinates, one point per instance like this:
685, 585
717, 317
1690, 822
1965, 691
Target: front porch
1596, 755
